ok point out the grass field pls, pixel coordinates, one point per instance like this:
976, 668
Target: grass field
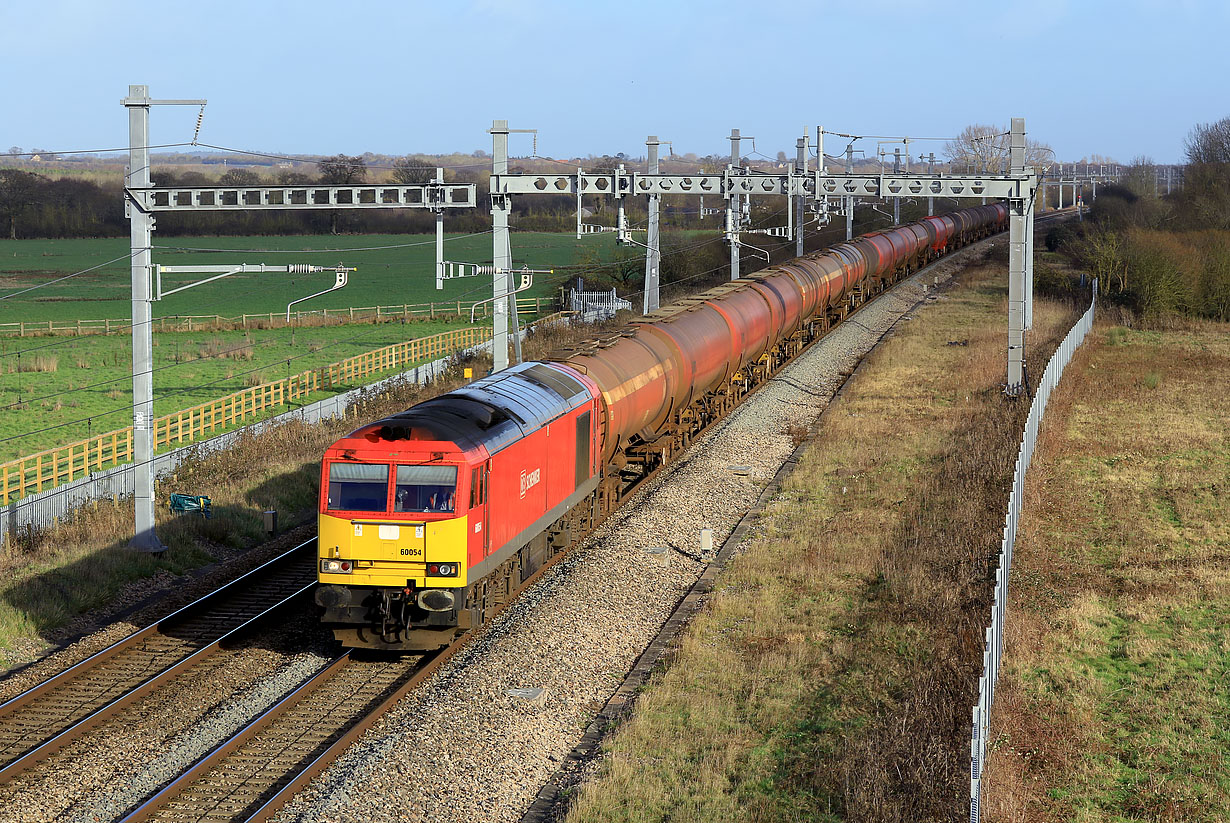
1114, 700
56, 390
385, 276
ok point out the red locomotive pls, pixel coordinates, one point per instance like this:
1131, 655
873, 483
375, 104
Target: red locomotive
432, 518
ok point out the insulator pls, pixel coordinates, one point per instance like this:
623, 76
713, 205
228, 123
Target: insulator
199, 117
299, 268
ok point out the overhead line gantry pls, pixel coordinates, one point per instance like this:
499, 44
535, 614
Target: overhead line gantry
1018, 186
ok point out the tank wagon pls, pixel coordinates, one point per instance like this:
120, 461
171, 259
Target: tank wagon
432, 518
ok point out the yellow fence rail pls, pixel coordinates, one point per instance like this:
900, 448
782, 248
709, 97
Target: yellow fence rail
210, 322
50, 468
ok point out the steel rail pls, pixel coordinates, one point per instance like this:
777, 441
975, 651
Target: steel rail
63, 681
214, 762
50, 746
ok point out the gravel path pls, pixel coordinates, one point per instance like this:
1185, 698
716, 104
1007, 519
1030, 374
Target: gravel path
462, 747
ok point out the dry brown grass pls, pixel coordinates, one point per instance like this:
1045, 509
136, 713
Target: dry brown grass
1113, 703
831, 675
38, 363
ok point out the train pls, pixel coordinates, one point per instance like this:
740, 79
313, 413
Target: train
431, 519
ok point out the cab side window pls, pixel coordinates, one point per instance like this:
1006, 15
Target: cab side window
478, 487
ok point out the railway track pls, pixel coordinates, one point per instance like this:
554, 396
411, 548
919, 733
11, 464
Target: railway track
38, 722
250, 776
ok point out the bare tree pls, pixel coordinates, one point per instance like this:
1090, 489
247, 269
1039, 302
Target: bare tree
341, 169
239, 177
983, 149
1209, 142
20, 191
289, 177
977, 149
1206, 180
1142, 176
412, 171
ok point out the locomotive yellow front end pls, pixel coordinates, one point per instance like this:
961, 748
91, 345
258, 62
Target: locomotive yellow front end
393, 542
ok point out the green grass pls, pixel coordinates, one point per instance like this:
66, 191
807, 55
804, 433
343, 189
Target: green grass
1113, 700
48, 594
1155, 688
84, 386
55, 390
385, 276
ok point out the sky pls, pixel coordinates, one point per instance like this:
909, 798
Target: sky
1120, 79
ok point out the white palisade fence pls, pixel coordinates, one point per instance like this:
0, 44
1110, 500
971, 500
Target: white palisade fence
993, 649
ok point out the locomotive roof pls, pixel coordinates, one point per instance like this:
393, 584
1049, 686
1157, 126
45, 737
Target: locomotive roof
493, 411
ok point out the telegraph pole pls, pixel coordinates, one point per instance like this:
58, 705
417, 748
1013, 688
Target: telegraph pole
141, 225
800, 166
501, 256
734, 214
653, 254
849, 197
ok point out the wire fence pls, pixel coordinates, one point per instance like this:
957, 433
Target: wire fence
993, 648
270, 320
46, 469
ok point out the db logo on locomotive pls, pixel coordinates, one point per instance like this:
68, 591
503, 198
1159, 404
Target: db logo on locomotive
529, 480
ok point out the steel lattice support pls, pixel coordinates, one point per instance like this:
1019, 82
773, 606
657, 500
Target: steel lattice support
1018, 187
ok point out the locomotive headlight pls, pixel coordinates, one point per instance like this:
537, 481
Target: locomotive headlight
442, 569
336, 567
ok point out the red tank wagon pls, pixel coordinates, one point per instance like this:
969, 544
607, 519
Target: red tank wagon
429, 519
